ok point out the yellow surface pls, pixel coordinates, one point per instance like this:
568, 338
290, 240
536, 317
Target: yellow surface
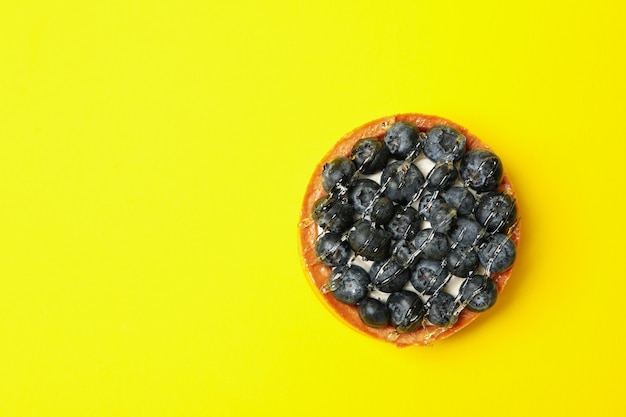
153, 159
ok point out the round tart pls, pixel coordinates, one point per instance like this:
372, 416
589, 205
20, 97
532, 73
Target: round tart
409, 228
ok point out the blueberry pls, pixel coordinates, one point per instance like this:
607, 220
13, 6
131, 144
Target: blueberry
465, 232
428, 275
383, 210
331, 249
402, 181
404, 253
369, 155
460, 198
442, 218
369, 241
338, 171
497, 253
388, 275
362, 193
462, 261
471, 286
479, 292
373, 312
496, 211
441, 310
442, 176
405, 224
349, 284
481, 170
444, 143
402, 139
432, 244
333, 214
427, 203
406, 310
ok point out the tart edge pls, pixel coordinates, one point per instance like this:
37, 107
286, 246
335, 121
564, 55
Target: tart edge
319, 273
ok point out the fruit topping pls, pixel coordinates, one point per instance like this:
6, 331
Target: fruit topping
466, 232
406, 310
373, 312
442, 309
332, 249
481, 170
432, 244
405, 224
362, 194
369, 241
402, 181
403, 139
479, 292
496, 211
444, 143
461, 199
442, 176
497, 254
333, 214
388, 275
370, 155
404, 253
337, 173
442, 218
428, 275
428, 203
462, 261
349, 284
382, 211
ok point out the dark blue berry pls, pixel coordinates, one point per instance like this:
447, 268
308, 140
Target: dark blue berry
465, 232
382, 211
333, 214
462, 261
432, 244
370, 242
402, 139
479, 292
362, 193
497, 253
460, 198
388, 276
404, 253
427, 203
481, 170
444, 143
428, 275
442, 176
332, 250
405, 224
496, 211
338, 171
442, 218
370, 155
349, 284
406, 310
441, 310
402, 181
373, 312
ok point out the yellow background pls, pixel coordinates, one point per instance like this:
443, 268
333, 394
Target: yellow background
153, 159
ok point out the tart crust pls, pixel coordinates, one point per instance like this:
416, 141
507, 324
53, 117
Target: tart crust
319, 273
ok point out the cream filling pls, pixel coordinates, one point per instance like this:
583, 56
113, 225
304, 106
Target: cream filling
452, 287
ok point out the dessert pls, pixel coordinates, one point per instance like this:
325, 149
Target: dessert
409, 228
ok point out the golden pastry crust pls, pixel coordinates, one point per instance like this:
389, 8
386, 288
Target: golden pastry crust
319, 273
